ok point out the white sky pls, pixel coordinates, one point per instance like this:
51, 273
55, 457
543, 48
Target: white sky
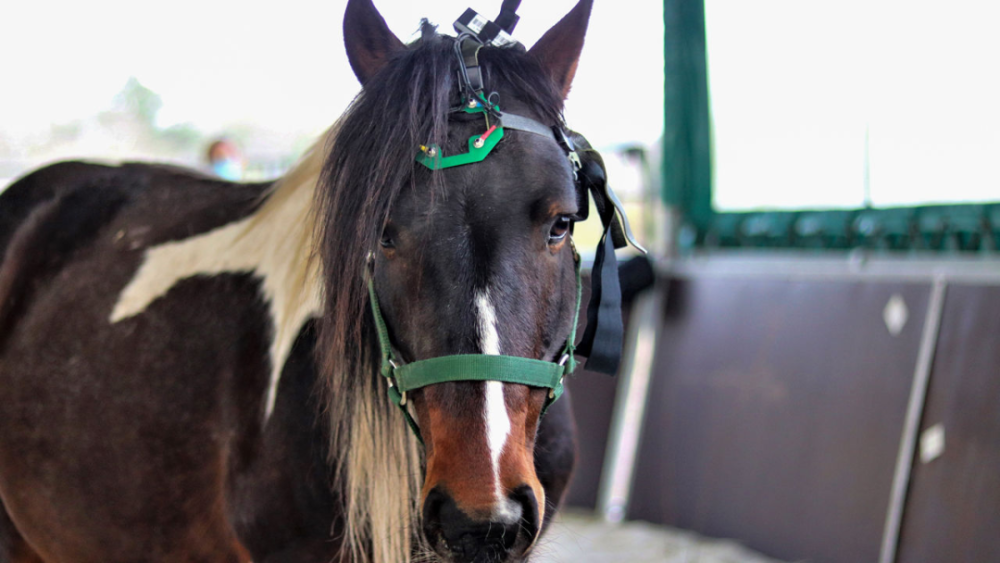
797, 86
281, 65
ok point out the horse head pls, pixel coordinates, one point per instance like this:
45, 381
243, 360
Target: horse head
462, 260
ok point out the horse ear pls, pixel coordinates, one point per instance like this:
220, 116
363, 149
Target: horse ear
558, 50
368, 39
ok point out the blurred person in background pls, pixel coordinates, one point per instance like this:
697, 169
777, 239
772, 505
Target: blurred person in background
225, 160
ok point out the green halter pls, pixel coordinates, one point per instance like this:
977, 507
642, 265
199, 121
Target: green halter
480, 146
473, 367
403, 378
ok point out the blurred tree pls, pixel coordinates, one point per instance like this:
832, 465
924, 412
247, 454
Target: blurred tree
138, 101
134, 109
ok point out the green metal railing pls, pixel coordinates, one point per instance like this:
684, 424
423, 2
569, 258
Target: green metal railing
948, 228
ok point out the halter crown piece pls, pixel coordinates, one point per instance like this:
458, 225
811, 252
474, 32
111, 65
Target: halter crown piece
602, 340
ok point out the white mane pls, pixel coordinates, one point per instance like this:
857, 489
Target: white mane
376, 457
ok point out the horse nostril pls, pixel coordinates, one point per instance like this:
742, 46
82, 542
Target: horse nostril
525, 496
433, 505
454, 534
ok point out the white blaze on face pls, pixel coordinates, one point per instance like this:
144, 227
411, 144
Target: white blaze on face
497, 419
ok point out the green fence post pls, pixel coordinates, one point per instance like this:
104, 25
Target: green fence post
687, 162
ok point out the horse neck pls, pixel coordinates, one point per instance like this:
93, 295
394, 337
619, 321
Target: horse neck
276, 243
281, 239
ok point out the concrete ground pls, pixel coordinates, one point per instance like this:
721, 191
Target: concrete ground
577, 537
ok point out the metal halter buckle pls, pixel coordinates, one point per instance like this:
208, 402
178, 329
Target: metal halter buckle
392, 383
552, 392
574, 158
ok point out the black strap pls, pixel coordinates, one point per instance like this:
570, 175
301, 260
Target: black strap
508, 18
520, 123
607, 204
488, 32
621, 231
602, 340
467, 48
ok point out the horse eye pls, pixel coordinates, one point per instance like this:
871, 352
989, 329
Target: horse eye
559, 229
386, 240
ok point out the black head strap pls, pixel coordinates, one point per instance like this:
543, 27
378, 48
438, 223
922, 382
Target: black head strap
467, 48
508, 17
602, 340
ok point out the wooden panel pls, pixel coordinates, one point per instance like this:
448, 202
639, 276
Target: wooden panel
775, 414
593, 399
953, 506
593, 396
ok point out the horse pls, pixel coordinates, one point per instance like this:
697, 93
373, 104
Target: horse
193, 369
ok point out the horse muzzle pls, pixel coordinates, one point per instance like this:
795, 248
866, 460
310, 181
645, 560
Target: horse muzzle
501, 536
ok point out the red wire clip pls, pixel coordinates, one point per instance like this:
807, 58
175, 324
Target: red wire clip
484, 136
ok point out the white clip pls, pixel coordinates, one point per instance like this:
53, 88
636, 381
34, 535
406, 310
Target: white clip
575, 160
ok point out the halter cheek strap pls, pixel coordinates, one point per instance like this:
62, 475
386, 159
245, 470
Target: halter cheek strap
403, 377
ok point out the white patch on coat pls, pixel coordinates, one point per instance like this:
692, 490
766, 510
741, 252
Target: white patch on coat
495, 414
275, 244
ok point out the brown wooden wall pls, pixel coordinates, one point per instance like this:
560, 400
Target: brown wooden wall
776, 412
953, 506
593, 397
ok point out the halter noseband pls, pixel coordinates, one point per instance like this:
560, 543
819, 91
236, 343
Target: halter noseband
403, 377
603, 337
